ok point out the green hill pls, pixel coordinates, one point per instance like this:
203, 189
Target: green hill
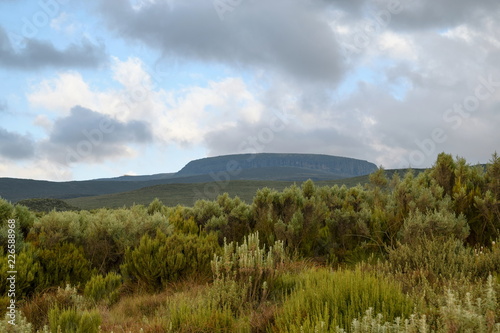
186, 194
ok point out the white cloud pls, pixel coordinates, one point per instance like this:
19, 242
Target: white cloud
182, 117
60, 94
397, 46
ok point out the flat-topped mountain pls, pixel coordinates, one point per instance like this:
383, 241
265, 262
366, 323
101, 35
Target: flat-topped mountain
260, 167
338, 166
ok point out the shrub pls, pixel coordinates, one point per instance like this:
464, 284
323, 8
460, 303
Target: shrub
59, 227
27, 269
471, 314
37, 308
253, 267
103, 289
156, 262
61, 265
440, 225
74, 321
325, 299
186, 312
24, 221
110, 232
21, 324
435, 259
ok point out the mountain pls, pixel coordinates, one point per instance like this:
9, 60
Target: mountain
262, 167
340, 167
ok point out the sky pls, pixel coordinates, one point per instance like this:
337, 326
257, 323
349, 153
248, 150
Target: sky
103, 88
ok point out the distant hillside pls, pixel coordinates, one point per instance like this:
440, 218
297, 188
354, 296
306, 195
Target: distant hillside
259, 167
46, 205
339, 167
186, 194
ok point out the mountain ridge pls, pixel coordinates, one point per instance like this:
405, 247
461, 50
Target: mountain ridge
265, 167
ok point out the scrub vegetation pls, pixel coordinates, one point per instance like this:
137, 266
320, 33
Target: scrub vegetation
406, 253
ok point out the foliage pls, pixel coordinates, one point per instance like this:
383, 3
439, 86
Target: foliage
163, 259
27, 268
436, 225
61, 265
46, 205
196, 313
37, 308
103, 289
331, 299
21, 324
423, 240
74, 321
253, 267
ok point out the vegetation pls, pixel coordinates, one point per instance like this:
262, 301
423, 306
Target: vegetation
268, 167
406, 253
46, 205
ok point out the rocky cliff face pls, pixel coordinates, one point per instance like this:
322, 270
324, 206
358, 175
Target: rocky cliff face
339, 166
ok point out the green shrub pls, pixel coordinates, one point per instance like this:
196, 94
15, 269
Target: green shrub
195, 312
27, 268
61, 265
103, 289
435, 259
255, 268
110, 232
74, 321
24, 220
37, 308
439, 225
163, 259
329, 299
59, 227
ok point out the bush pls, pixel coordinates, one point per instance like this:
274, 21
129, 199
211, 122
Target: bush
27, 269
24, 221
61, 265
156, 262
103, 289
329, 299
110, 232
74, 321
437, 260
253, 267
195, 313
37, 308
439, 225
21, 324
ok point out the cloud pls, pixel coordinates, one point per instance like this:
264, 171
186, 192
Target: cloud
428, 14
15, 146
89, 136
289, 37
3, 106
179, 116
37, 54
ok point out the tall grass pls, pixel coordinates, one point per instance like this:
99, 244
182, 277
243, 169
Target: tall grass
326, 300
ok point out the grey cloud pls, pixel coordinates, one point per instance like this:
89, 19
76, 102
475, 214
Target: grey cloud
38, 54
15, 146
276, 132
291, 37
86, 135
419, 15
444, 13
